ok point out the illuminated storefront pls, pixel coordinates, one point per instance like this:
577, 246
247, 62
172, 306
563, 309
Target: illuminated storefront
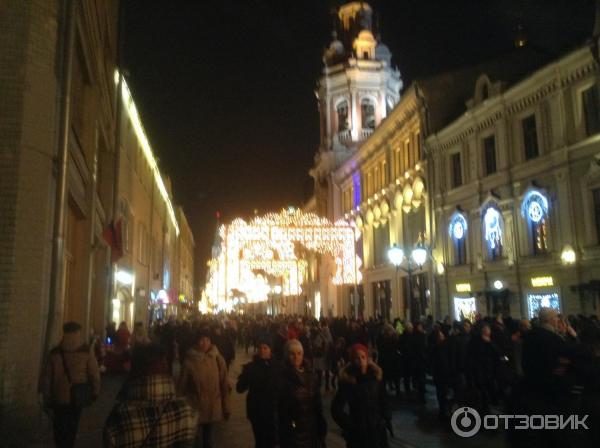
542, 295
465, 304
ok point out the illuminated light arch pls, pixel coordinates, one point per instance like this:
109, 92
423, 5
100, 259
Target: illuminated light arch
268, 249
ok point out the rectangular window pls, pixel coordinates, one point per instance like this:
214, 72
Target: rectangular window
591, 110
455, 165
530, 140
489, 154
418, 146
384, 177
596, 197
460, 252
411, 155
406, 156
539, 235
381, 243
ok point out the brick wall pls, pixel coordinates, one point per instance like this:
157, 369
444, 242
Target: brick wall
27, 146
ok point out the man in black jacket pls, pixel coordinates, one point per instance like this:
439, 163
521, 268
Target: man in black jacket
260, 378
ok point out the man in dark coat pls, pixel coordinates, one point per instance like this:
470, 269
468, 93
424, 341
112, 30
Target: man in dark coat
363, 392
545, 388
419, 360
260, 378
406, 354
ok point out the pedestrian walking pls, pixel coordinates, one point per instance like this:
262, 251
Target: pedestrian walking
148, 413
71, 382
204, 382
301, 421
260, 378
362, 391
139, 336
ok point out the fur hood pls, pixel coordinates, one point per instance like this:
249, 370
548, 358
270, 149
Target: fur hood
348, 374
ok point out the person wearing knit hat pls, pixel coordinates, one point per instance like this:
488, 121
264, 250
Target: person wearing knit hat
358, 348
360, 405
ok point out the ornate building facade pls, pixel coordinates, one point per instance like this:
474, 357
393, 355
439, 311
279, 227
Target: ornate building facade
516, 199
357, 90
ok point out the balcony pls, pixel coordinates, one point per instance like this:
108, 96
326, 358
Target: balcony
345, 136
365, 133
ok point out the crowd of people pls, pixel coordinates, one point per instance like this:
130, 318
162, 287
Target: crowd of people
178, 384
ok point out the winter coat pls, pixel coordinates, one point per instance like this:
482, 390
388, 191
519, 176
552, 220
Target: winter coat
204, 382
542, 349
320, 348
440, 362
483, 360
82, 366
364, 424
260, 378
389, 358
301, 421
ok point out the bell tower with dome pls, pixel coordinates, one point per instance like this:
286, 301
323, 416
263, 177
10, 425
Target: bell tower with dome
357, 89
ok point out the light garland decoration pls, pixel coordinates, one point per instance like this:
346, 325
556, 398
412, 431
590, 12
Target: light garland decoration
268, 250
534, 206
492, 227
458, 226
136, 123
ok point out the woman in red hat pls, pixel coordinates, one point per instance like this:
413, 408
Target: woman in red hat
362, 389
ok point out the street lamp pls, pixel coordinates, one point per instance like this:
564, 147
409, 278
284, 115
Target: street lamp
396, 255
418, 256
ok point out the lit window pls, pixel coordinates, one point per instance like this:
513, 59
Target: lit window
535, 210
458, 234
492, 231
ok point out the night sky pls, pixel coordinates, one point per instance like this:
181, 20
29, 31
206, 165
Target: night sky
226, 88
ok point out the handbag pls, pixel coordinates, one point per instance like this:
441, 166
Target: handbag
81, 393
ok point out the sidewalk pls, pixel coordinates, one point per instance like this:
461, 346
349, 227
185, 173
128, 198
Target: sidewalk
414, 426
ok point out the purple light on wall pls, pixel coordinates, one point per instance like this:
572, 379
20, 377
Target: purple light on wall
356, 185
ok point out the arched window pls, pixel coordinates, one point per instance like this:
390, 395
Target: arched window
493, 231
458, 235
342, 116
367, 110
535, 211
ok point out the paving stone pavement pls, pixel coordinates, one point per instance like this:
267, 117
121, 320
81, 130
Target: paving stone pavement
414, 427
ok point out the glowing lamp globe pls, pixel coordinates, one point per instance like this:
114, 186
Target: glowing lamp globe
396, 255
419, 255
568, 255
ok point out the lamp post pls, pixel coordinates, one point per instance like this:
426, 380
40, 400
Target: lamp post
418, 257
